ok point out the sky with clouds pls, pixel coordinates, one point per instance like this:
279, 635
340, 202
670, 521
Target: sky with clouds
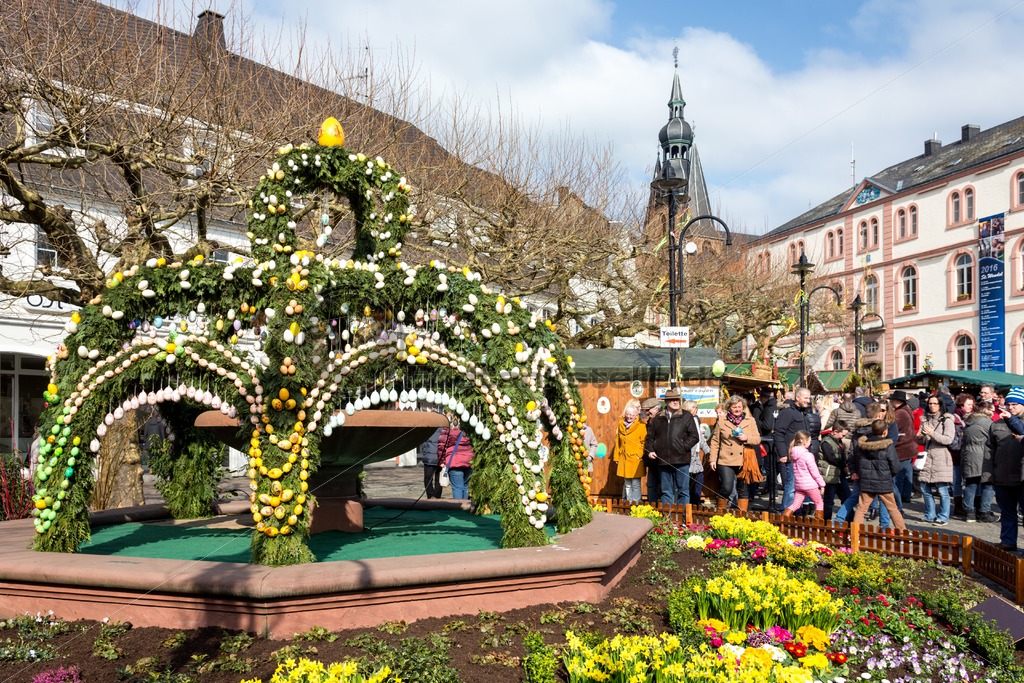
778, 93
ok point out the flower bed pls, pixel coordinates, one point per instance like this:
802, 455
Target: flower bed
730, 602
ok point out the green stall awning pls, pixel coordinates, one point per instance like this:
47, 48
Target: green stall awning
971, 378
646, 365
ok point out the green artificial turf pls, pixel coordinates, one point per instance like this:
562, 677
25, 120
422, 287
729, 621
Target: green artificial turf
388, 533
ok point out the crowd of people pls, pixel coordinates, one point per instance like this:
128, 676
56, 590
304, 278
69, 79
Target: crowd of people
960, 453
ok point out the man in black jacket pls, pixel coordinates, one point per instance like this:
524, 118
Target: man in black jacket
671, 437
765, 411
798, 416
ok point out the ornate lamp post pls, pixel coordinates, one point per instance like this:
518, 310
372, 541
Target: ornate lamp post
856, 306
803, 268
671, 176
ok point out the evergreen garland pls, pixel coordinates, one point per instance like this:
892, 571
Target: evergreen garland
502, 370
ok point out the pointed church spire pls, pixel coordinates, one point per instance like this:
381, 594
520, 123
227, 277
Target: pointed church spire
676, 136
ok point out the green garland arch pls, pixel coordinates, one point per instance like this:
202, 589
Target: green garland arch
336, 333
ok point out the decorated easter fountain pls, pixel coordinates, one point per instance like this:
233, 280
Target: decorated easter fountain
295, 345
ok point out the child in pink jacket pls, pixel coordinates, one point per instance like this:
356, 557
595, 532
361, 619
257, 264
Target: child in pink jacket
807, 480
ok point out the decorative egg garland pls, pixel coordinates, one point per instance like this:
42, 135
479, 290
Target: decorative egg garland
397, 323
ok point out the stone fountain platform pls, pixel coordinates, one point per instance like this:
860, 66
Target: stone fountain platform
277, 602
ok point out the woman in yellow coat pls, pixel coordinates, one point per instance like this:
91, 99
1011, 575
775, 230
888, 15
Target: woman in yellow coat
735, 432
629, 450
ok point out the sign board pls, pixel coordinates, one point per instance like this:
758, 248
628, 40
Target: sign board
991, 294
706, 398
675, 337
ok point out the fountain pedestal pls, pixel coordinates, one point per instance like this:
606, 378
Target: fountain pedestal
368, 436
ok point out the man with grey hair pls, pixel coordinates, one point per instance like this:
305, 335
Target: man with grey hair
797, 416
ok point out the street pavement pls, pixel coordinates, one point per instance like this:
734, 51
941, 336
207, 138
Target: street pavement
389, 480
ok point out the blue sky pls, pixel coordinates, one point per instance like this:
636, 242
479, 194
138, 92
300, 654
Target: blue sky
778, 92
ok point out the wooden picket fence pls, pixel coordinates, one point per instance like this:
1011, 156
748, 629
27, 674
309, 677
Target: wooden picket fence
967, 553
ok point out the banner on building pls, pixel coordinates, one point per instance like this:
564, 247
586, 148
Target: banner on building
991, 294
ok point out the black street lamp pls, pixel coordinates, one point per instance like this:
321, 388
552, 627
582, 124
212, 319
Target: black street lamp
682, 243
856, 306
803, 268
671, 177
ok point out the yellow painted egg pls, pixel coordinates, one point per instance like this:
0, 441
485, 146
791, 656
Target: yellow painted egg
331, 133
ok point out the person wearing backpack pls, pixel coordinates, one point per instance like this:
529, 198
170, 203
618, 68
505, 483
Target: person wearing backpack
976, 465
936, 433
964, 407
833, 466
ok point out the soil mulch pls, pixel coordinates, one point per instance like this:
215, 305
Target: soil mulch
482, 648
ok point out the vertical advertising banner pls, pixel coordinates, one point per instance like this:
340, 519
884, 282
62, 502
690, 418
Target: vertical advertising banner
991, 294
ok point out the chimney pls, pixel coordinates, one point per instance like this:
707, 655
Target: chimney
209, 33
932, 147
969, 132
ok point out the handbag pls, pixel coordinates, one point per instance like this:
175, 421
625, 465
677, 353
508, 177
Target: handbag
921, 461
443, 479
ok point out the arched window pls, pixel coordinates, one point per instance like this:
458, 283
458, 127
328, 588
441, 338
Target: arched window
909, 279
831, 245
901, 222
871, 294
800, 247
792, 253
1020, 189
863, 235
837, 360
839, 240
964, 277
969, 203
874, 232
954, 208
964, 353
909, 358
913, 221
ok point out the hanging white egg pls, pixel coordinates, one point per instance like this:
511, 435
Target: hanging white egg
118, 414
207, 398
393, 395
479, 428
421, 394
350, 409
108, 419
215, 402
375, 397
94, 445
101, 430
328, 430
452, 402
473, 420
430, 396
404, 396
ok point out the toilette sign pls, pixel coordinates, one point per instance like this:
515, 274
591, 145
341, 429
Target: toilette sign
675, 337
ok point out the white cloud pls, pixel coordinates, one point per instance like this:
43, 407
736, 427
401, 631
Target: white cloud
772, 142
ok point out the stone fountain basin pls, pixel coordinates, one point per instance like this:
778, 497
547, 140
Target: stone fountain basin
367, 436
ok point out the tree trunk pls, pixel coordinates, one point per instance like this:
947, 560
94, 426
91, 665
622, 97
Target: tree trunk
119, 466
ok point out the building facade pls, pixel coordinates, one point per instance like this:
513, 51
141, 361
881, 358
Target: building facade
909, 241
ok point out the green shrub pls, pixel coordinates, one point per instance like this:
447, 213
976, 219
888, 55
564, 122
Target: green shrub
415, 660
874, 573
187, 470
541, 663
682, 607
15, 490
